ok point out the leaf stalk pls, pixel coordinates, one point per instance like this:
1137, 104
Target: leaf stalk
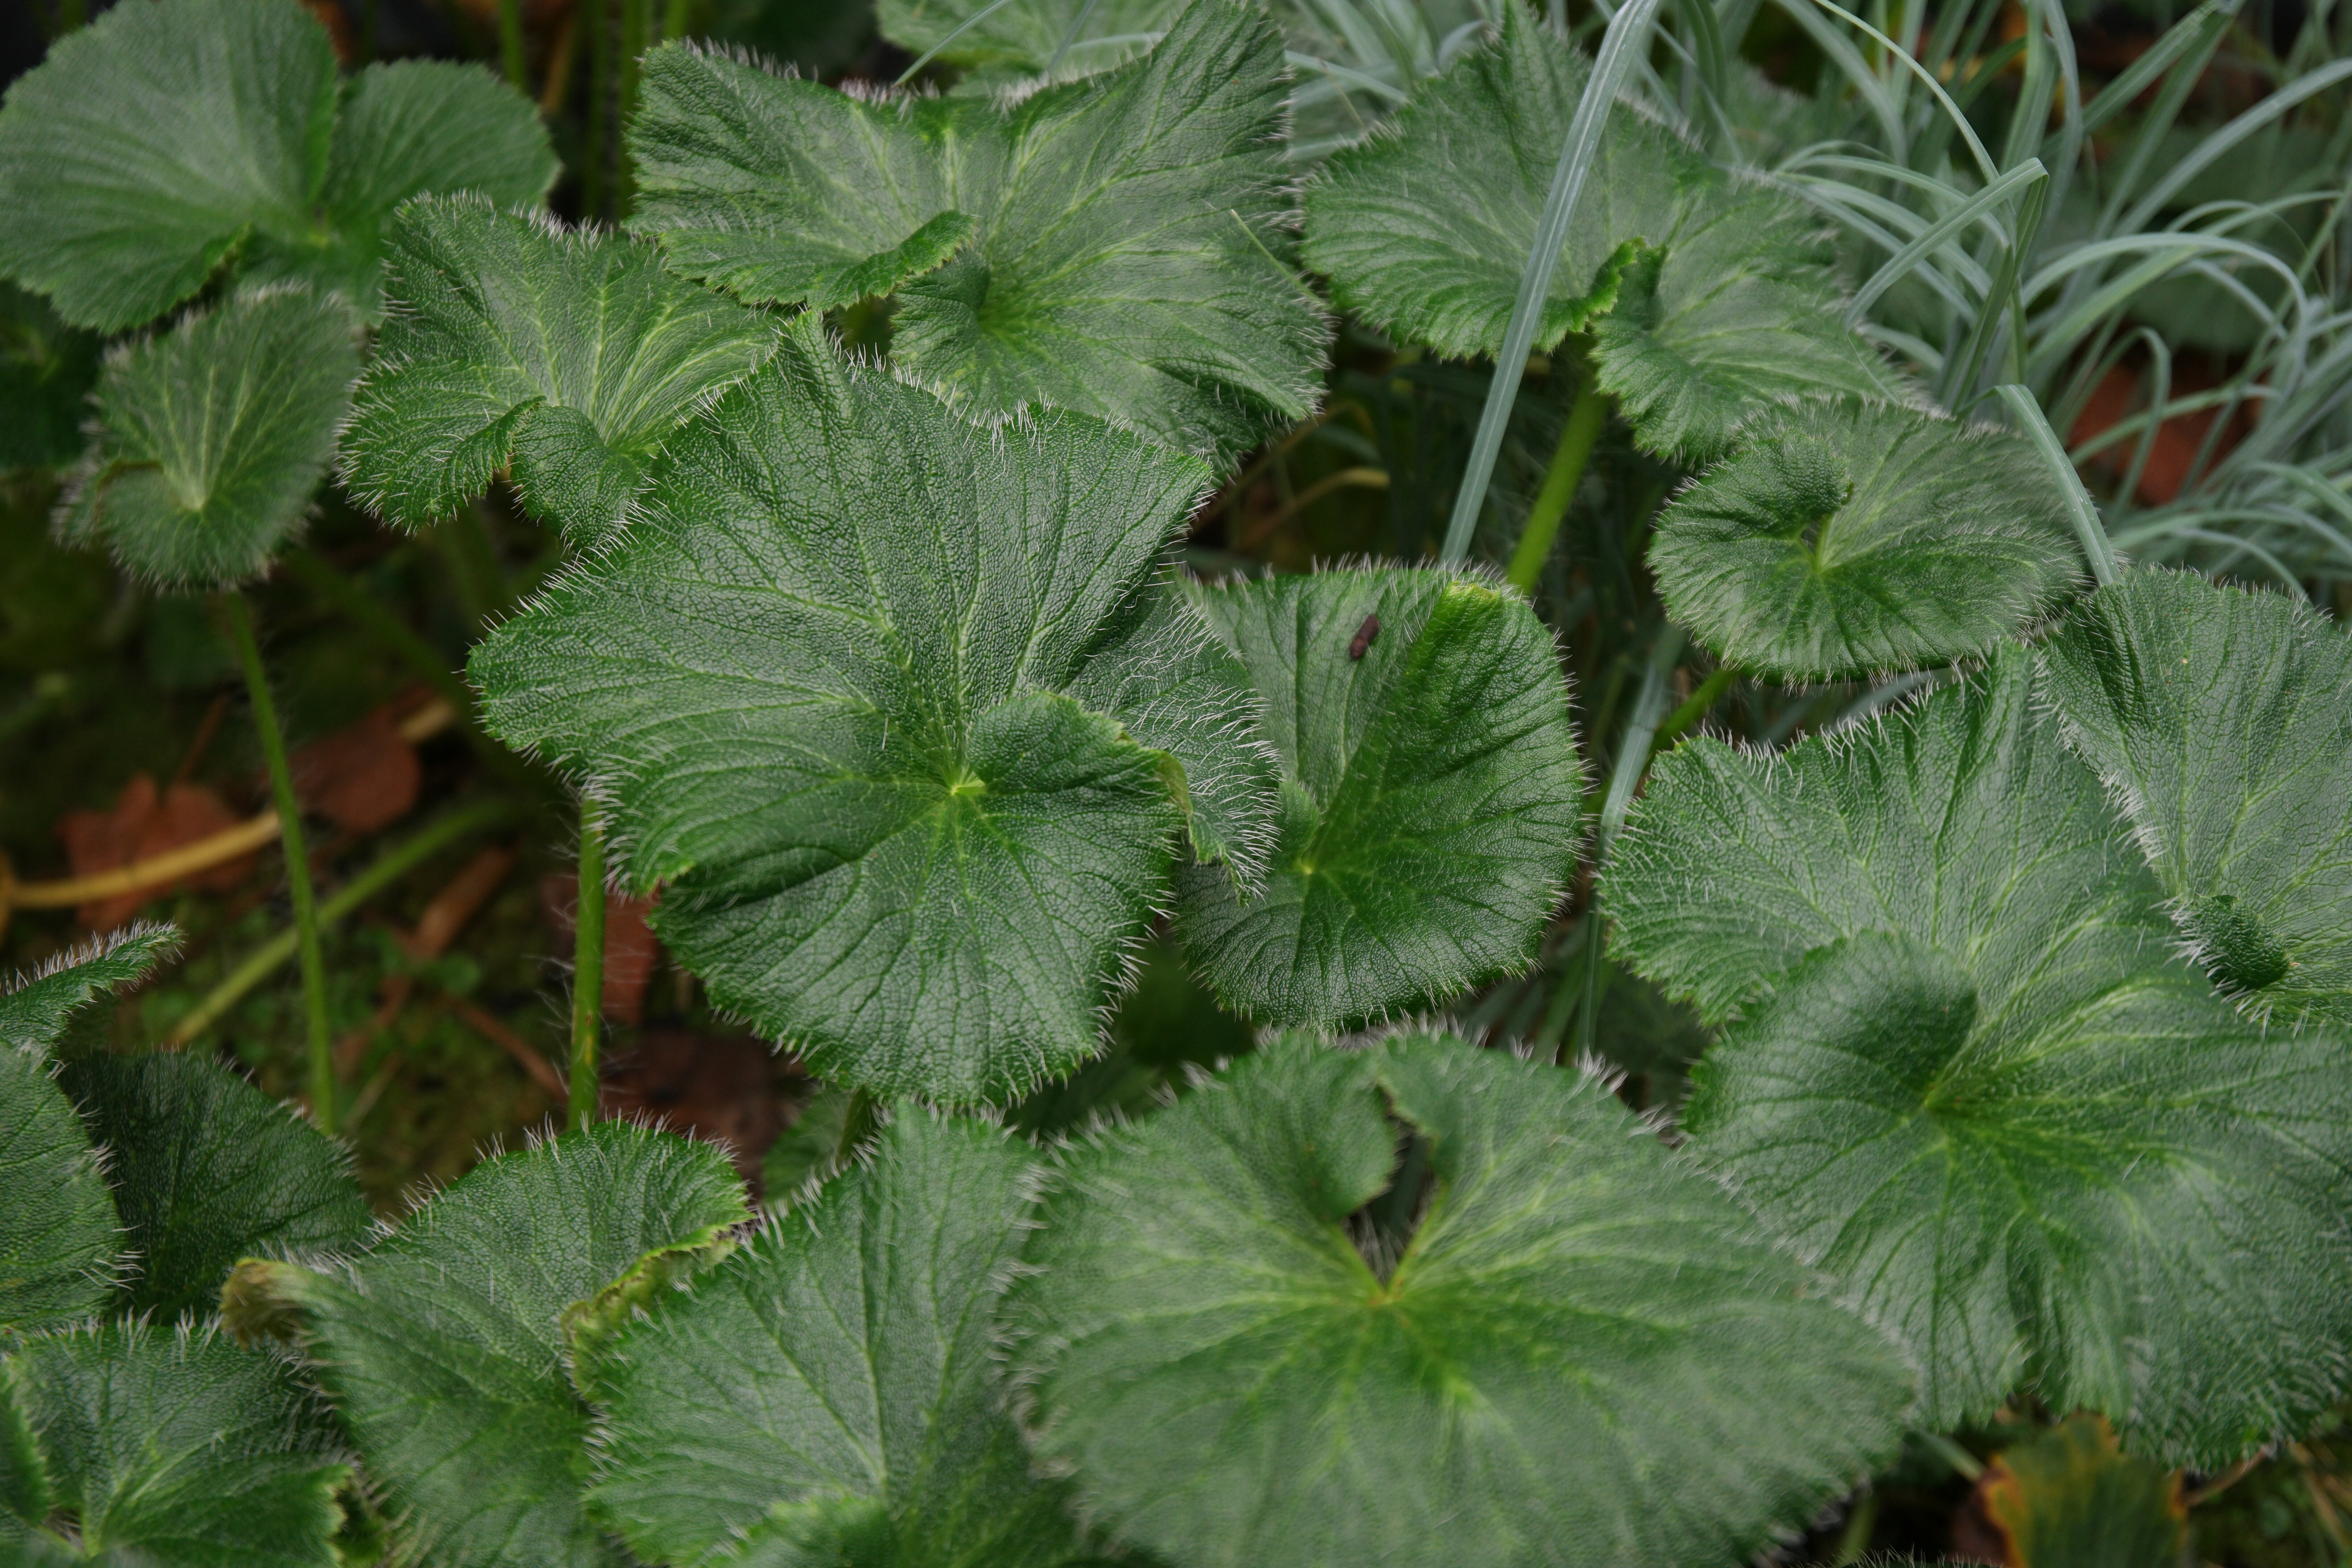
1586, 418
588, 967
318, 1037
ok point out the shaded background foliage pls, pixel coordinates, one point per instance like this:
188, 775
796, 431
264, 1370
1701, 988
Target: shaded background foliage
2205, 403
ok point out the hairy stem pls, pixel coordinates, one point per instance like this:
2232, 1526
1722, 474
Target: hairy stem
1701, 703
239, 621
588, 966
1586, 418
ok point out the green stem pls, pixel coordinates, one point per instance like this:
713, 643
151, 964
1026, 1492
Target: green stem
1860, 1524
388, 868
1632, 761
1702, 702
1586, 418
298, 862
511, 44
588, 967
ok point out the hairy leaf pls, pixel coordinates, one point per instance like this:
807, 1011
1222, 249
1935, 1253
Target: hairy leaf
1026, 36
1963, 821
33, 1012
2222, 720
824, 688
59, 1240
205, 1169
1972, 1085
2126, 1199
1713, 298
570, 356
211, 437
1585, 1354
443, 1350
45, 372
1845, 539
408, 129
1117, 242
153, 142
180, 1450
1430, 790
829, 1387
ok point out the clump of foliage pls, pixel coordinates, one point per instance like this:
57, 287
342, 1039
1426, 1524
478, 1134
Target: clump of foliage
2015, 1073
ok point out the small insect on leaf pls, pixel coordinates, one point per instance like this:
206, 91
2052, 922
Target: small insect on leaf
1366, 635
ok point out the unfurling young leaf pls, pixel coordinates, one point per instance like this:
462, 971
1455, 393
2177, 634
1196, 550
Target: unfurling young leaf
834, 688
1429, 803
2069, 1498
2221, 720
61, 1244
1585, 1351
1116, 242
1971, 1083
1710, 300
211, 437
1845, 540
205, 1169
444, 1347
177, 1450
827, 1393
573, 357
163, 138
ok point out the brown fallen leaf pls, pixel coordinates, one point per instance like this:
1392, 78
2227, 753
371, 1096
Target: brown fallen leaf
630, 949
143, 823
717, 1088
364, 777
2071, 1498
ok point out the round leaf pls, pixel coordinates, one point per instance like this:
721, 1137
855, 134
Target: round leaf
213, 437
1585, 1353
828, 687
1844, 539
1430, 792
2222, 720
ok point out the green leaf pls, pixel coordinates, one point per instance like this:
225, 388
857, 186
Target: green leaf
1713, 298
570, 356
2219, 719
1585, 1354
155, 142
2121, 1196
830, 1389
442, 1349
1430, 794
179, 1449
61, 1244
205, 1170
1737, 315
889, 838
1124, 233
33, 1012
1962, 821
45, 372
1846, 539
408, 129
1971, 1085
1022, 38
210, 438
